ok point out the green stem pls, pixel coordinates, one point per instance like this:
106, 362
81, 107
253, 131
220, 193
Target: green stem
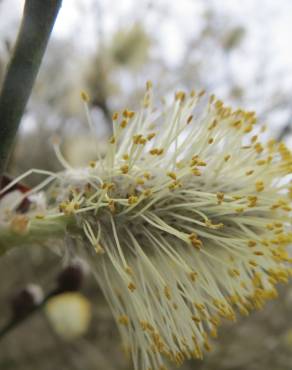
38, 232
37, 23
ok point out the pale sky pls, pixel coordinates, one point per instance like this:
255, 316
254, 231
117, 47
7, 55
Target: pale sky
268, 22
268, 25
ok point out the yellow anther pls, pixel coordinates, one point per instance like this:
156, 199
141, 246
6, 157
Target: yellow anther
189, 120
129, 270
214, 332
252, 201
207, 346
209, 224
153, 151
271, 143
254, 138
193, 236
92, 164
258, 253
196, 319
172, 175
147, 175
128, 114
175, 185
115, 116
123, 320
237, 197
248, 128
151, 136
201, 93
234, 273
124, 169
193, 275
212, 99
156, 151
108, 186
237, 124
139, 139
219, 104
84, 96
253, 263
68, 207
259, 148
180, 96
140, 181
132, 287
192, 93
261, 162
259, 186
213, 125
147, 192
220, 197
167, 292
195, 171
39, 216
149, 85
227, 157
132, 199
146, 326
197, 243
124, 123
196, 161
111, 206
112, 140
98, 249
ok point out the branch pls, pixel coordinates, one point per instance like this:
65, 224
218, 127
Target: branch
37, 23
15, 322
25, 304
284, 132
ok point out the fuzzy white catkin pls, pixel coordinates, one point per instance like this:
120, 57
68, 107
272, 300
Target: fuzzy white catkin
184, 221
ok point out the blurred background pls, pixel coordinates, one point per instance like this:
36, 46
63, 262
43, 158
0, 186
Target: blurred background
239, 50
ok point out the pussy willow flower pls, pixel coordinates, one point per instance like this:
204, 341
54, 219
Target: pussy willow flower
185, 221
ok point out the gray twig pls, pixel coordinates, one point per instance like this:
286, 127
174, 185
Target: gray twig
15, 322
284, 132
37, 23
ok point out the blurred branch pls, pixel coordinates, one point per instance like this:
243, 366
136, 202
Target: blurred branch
103, 106
70, 279
37, 23
284, 132
14, 322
